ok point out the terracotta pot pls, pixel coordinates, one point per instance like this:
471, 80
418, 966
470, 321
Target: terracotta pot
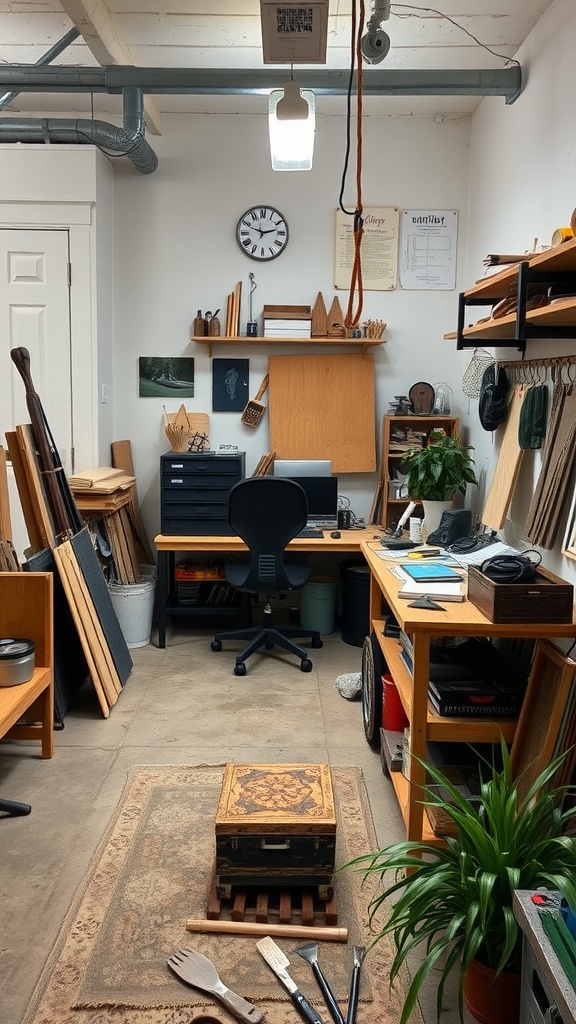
490, 999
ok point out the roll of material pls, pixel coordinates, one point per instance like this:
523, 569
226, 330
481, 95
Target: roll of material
16, 660
562, 235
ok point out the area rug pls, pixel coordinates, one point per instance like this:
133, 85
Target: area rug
152, 872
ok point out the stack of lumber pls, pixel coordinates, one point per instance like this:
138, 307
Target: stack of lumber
71, 555
233, 301
265, 465
101, 490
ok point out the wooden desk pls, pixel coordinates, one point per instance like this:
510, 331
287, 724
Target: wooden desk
167, 547
457, 619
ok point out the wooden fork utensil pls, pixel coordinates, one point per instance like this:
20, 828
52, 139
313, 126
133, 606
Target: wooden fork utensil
196, 969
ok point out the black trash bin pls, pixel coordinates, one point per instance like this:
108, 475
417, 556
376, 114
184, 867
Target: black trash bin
355, 615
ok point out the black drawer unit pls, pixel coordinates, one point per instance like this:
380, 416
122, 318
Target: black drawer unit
194, 492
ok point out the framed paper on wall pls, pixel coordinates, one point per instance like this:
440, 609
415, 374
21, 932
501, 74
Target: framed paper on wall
229, 384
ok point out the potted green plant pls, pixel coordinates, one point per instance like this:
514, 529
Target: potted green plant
435, 473
456, 901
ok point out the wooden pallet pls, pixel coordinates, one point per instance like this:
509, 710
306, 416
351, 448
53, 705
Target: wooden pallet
272, 905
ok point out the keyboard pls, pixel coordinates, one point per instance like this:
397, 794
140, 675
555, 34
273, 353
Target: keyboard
311, 531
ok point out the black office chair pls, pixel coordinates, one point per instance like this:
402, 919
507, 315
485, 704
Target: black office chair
267, 512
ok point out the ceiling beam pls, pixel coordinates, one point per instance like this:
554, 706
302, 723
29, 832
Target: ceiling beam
100, 29
506, 82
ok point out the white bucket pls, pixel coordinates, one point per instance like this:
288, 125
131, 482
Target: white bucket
134, 606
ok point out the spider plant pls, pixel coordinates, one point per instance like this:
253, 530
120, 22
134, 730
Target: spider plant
457, 900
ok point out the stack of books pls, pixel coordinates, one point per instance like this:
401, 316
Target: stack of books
287, 322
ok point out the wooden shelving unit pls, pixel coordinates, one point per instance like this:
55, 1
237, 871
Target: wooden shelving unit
392, 508
26, 610
362, 343
556, 266
457, 620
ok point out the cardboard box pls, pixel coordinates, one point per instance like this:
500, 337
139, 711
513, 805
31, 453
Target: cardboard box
547, 599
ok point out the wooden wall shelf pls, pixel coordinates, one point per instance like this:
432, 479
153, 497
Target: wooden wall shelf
363, 343
558, 319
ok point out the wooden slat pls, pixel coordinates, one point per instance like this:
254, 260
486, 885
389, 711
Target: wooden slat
32, 526
68, 585
122, 459
507, 467
40, 505
5, 522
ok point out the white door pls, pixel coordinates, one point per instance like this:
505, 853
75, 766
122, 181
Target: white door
35, 314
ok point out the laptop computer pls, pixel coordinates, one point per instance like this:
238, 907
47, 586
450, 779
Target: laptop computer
322, 495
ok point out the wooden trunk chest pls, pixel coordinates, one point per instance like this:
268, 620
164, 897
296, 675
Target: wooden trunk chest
276, 825
547, 599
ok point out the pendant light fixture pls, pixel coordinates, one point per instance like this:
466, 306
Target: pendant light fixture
291, 124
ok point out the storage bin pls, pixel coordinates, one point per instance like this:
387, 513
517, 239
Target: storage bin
134, 606
318, 604
355, 623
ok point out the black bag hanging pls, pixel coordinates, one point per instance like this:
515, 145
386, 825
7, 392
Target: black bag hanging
493, 402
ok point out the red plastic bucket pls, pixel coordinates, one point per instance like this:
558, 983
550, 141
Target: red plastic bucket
393, 715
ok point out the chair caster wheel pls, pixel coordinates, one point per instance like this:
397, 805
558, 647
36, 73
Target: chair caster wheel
317, 643
216, 645
240, 669
306, 665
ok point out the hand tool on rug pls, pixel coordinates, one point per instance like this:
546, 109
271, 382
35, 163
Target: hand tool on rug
359, 954
196, 969
329, 933
254, 409
309, 952
276, 959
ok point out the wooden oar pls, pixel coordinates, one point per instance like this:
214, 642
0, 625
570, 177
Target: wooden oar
21, 359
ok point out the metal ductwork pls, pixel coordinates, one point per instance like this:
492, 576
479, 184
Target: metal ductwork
134, 82
126, 141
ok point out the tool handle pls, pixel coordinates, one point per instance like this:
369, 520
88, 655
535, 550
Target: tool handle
262, 388
353, 997
326, 991
240, 1007
306, 1011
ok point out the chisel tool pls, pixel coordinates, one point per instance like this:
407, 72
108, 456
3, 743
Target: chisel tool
309, 952
276, 959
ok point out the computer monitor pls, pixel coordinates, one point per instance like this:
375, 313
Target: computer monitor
322, 495
302, 467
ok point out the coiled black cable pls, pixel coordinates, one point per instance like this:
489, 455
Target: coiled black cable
511, 568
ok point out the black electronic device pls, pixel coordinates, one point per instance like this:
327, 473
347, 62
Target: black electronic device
398, 543
322, 497
455, 523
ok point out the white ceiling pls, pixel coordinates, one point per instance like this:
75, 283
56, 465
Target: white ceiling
221, 34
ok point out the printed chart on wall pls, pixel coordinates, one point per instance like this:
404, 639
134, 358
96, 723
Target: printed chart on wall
428, 249
379, 252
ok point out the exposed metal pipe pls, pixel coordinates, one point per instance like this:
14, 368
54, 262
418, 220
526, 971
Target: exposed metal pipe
127, 141
46, 58
115, 78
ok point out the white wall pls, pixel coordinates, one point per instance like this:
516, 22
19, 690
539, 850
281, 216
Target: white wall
522, 186
175, 251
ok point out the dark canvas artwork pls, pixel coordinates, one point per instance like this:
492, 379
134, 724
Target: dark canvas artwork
229, 384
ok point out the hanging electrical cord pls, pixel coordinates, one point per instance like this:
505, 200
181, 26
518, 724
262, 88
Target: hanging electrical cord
352, 317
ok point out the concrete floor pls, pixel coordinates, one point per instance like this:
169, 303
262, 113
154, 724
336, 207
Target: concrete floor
181, 705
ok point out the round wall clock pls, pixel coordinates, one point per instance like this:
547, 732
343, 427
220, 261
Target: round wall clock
262, 233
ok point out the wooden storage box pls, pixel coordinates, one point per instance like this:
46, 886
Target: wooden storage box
276, 825
547, 599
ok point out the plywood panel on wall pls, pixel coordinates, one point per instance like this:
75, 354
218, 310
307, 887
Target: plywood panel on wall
323, 407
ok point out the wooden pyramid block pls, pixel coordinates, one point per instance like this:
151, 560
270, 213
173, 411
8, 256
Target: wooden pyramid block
336, 327
319, 318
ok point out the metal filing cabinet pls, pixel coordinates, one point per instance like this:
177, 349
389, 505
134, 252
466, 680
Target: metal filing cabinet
194, 492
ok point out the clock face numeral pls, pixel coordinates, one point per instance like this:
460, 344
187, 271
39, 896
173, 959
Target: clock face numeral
262, 233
